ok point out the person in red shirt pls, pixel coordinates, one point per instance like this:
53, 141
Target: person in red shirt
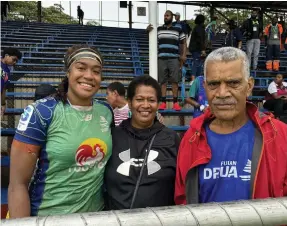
276, 98
233, 151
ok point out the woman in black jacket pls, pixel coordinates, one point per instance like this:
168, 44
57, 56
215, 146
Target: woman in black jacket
197, 46
140, 139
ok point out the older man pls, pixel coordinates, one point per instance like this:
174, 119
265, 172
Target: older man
233, 151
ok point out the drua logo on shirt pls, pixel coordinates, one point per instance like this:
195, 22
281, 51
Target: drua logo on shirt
25, 118
125, 156
91, 152
228, 169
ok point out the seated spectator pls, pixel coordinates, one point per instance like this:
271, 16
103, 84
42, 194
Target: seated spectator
141, 170
44, 90
234, 35
197, 97
116, 98
276, 98
273, 34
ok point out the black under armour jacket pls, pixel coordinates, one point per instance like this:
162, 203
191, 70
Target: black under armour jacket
123, 168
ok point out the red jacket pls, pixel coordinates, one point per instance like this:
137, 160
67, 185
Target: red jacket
269, 157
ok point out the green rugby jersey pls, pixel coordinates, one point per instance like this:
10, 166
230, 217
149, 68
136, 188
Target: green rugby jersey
75, 147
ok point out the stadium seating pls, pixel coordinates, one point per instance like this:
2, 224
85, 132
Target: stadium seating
125, 53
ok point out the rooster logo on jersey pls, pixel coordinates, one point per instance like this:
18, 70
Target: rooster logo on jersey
91, 151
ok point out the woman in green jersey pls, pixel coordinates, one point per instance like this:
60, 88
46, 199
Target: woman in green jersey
69, 137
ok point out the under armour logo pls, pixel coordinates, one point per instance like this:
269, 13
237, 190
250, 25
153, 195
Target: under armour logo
125, 156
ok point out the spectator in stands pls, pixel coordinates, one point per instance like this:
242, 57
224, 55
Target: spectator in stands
116, 98
229, 152
211, 31
182, 23
197, 97
276, 98
70, 135
44, 90
234, 35
80, 15
5, 7
141, 170
197, 46
10, 57
253, 29
171, 57
272, 34
185, 27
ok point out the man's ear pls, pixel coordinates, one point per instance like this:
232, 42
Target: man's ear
250, 86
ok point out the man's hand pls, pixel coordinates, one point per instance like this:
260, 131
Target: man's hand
149, 28
3, 107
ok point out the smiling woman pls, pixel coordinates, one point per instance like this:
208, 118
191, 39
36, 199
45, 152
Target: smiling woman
141, 170
70, 136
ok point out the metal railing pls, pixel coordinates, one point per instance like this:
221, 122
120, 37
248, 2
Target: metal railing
251, 212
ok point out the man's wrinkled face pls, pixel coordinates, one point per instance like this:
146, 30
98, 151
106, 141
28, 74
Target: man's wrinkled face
227, 89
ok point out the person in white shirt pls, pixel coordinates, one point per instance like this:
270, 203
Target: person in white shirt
276, 98
116, 98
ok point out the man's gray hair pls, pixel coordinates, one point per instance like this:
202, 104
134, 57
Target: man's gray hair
227, 54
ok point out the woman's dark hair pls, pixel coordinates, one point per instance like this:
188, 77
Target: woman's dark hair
117, 86
145, 80
63, 86
12, 52
199, 19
